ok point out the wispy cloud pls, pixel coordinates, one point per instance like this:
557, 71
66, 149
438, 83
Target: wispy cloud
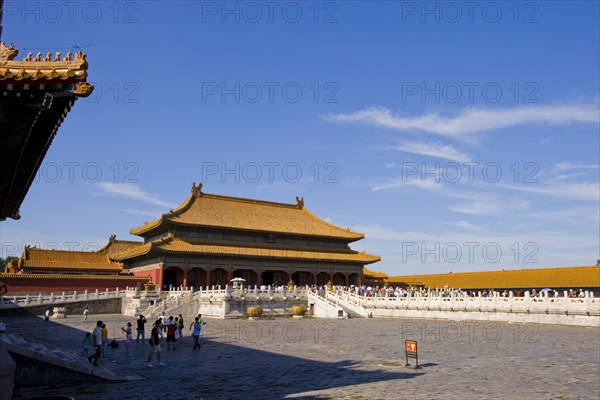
433, 150
134, 192
578, 216
486, 205
406, 182
569, 166
154, 214
574, 191
382, 233
472, 120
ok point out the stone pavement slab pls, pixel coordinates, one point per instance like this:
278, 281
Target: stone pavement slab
342, 359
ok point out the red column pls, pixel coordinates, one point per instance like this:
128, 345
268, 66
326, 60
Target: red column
185, 276
207, 281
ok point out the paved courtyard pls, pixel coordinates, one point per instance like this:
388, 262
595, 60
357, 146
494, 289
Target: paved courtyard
342, 359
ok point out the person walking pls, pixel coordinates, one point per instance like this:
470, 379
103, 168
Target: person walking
181, 326
97, 343
104, 332
85, 315
197, 325
171, 328
155, 336
87, 342
128, 336
47, 315
141, 321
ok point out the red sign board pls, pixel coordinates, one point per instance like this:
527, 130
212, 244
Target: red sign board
411, 346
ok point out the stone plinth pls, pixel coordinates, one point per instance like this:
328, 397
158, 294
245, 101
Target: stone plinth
59, 312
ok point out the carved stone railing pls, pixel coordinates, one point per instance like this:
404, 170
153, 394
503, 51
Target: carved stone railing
564, 305
7, 302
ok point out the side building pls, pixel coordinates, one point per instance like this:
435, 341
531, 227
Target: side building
210, 239
45, 271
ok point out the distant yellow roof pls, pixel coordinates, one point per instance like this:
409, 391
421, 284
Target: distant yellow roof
368, 272
524, 278
39, 259
115, 246
171, 244
209, 210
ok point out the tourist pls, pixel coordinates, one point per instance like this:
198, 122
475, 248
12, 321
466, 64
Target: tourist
197, 325
163, 321
141, 321
87, 342
47, 315
181, 326
128, 336
155, 336
171, 328
97, 343
2, 329
85, 315
104, 333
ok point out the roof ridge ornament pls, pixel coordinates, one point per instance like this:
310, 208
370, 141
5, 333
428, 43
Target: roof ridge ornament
196, 190
8, 53
299, 202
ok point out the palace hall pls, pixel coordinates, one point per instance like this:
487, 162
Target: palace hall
210, 239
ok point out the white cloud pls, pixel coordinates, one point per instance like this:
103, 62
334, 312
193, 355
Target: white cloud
434, 150
154, 214
472, 120
573, 191
568, 166
467, 225
133, 192
382, 233
405, 182
481, 205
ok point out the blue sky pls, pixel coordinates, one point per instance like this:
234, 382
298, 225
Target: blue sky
457, 137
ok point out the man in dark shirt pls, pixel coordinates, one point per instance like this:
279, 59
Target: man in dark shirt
155, 337
140, 328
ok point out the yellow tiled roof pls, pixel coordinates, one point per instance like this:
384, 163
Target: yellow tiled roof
115, 246
39, 259
524, 278
209, 210
368, 272
171, 244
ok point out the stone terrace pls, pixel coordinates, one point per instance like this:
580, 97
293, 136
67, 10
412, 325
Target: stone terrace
342, 359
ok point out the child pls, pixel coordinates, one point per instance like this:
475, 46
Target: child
87, 342
128, 336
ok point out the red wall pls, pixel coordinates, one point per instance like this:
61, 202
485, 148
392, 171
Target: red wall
156, 275
18, 285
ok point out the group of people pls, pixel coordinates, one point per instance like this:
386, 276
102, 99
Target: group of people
173, 327
170, 329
